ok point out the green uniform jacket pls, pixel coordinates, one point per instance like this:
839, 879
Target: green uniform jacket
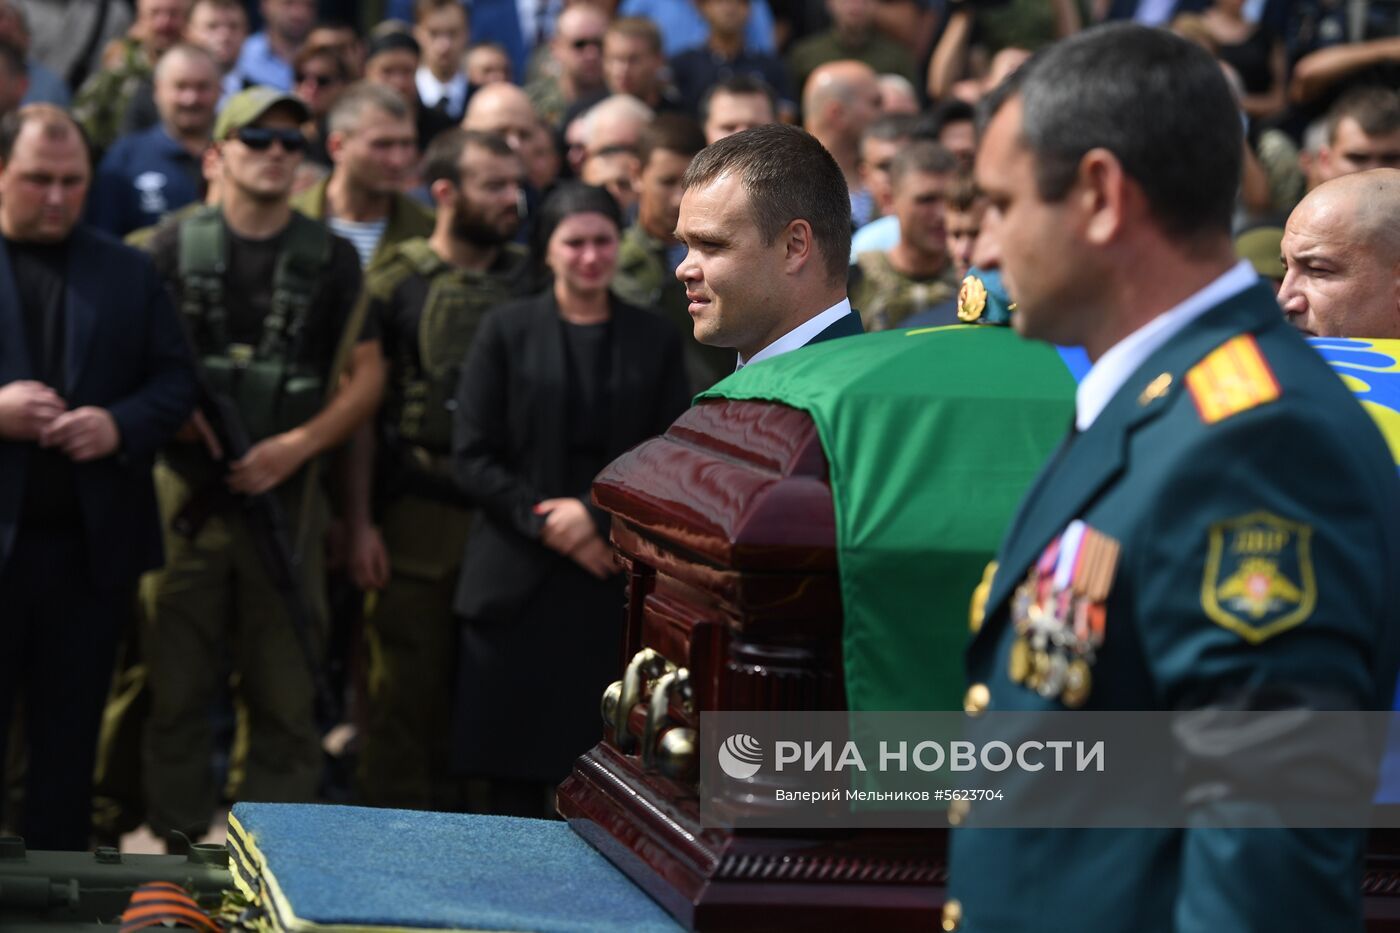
548, 99
884, 55
886, 297
407, 218
100, 104
1302, 484
645, 279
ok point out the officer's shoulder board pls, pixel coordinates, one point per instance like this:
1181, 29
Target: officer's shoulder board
1232, 378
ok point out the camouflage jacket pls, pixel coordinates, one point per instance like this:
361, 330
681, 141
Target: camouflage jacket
101, 104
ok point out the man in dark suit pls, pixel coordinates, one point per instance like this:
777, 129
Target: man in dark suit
1220, 531
94, 377
766, 221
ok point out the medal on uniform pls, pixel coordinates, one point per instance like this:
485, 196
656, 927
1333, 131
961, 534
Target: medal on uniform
1058, 614
1019, 667
1078, 680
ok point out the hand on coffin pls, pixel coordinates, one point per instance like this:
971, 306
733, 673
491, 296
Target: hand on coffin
597, 557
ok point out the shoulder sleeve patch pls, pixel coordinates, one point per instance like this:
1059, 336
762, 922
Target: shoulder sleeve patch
1233, 378
1259, 578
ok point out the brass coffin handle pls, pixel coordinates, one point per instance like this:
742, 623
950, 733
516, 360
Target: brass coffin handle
646, 665
672, 760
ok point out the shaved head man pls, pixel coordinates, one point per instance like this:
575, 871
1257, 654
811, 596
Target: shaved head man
505, 110
1342, 252
839, 101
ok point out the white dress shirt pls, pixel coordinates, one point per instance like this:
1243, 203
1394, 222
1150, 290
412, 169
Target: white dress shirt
431, 90
801, 334
1114, 368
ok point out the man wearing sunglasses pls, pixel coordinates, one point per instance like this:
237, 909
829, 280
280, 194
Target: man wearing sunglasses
573, 72
270, 299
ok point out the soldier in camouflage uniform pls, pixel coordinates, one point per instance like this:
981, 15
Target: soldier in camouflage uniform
272, 304
118, 803
102, 105
917, 277
576, 51
649, 252
408, 534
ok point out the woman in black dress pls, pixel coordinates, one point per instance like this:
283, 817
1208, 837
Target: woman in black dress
555, 387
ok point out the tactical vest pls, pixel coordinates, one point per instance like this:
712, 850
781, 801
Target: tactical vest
886, 297
422, 397
274, 390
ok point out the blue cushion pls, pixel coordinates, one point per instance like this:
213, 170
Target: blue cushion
324, 866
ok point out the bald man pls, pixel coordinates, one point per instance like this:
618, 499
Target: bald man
505, 110
839, 101
1341, 249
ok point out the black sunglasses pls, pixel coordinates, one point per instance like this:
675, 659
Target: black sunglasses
581, 44
318, 80
260, 137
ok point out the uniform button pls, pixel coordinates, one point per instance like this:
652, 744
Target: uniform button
952, 915
977, 610
958, 811
977, 698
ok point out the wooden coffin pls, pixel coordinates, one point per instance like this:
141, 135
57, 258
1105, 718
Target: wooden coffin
727, 531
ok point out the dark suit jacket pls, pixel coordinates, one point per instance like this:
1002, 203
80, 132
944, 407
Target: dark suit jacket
509, 439
848, 326
125, 353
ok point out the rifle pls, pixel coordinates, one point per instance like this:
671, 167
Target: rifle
268, 522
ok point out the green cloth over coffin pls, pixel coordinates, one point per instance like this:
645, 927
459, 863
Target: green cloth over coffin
331, 869
932, 436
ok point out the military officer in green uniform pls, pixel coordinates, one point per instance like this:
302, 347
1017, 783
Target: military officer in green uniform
408, 525
649, 251
1220, 529
271, 301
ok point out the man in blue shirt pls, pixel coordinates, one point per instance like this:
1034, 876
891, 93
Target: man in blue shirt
267, 55
221, 26
147, 174
683, 28
44, 85
725, 54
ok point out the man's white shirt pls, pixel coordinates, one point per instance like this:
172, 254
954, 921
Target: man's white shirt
431, 90
800, 335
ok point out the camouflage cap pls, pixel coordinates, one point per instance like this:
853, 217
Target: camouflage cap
248, 106
1263, 247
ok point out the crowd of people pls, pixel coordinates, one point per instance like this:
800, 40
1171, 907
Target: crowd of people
443, 266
